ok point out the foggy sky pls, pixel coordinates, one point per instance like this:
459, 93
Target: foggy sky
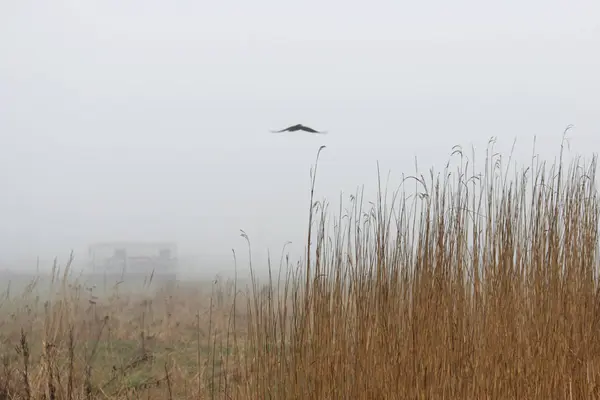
148, 120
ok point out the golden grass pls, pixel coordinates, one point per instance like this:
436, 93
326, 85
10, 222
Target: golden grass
472, 287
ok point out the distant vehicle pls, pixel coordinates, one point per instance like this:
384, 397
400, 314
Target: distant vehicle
133, 259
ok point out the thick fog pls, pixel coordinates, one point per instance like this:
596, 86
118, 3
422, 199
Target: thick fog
148, 120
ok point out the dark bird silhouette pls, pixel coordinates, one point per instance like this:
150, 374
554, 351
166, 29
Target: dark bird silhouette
299, 127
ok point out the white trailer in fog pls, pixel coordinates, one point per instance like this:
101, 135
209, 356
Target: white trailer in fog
133, 259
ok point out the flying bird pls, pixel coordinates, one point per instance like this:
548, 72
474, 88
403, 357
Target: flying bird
299, 127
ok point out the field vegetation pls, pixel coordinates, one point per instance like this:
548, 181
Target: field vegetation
465, 284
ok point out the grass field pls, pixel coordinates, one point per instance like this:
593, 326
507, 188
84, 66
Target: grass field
467, 286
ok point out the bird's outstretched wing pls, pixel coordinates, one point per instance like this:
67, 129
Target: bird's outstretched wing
311, 130
283, 130
289, 129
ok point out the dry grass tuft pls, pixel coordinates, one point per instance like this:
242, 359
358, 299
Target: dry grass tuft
472, 286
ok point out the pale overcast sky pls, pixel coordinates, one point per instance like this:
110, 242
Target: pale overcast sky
150, 119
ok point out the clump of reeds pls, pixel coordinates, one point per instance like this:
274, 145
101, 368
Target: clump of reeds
470, 286
61, 349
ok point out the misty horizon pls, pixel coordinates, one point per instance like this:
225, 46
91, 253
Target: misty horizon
123, 122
